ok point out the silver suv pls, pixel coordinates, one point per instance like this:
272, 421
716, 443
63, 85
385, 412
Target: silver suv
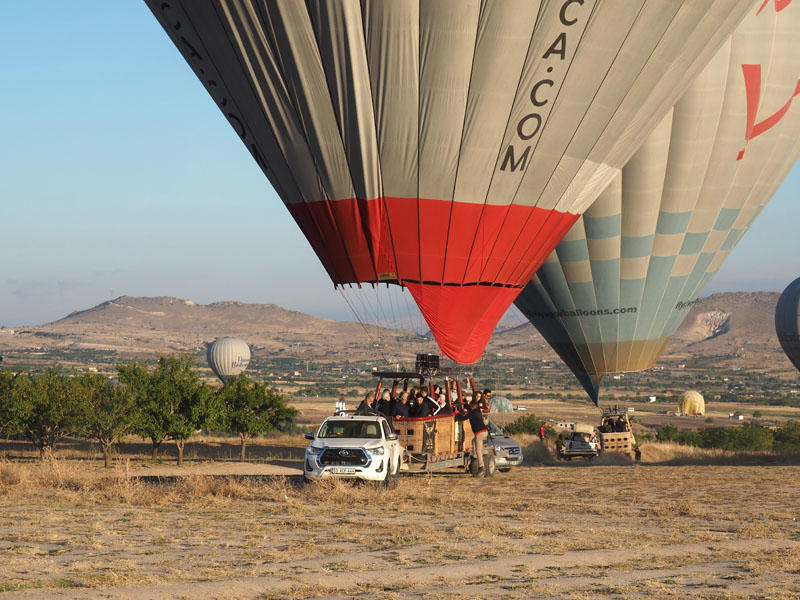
507, 451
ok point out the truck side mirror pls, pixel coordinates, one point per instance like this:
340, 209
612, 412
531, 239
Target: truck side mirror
309, 436
391, 436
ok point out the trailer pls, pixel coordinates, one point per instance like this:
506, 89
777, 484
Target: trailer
440, 441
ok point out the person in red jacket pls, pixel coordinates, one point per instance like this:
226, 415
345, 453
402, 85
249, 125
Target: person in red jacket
542, 432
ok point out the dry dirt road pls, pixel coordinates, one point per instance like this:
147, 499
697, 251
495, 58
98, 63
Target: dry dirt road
675, 527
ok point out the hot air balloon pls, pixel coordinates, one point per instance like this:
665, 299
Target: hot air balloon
624, 277
691, 402
228, 357
787, 321
444, 146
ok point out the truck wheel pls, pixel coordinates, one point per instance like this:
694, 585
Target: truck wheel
390, 479
490, 467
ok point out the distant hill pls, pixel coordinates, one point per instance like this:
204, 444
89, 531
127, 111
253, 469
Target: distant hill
735, 329
133, 326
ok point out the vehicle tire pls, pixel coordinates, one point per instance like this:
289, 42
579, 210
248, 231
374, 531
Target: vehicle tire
504, 469
490, 467
390, 479
473, 466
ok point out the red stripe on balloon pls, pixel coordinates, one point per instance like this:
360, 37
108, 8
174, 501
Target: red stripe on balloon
464, 263
462, 319
366, 240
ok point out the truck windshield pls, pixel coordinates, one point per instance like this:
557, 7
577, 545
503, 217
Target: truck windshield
350, 429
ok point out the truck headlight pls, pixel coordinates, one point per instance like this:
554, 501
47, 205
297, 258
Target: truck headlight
314, 451
375, 451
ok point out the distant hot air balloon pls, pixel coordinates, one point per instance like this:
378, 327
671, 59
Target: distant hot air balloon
228, 357
787, 321
624, 277
691, 402
444, 146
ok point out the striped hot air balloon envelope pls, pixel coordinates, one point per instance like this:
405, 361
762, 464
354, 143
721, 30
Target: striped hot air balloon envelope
625, 276
787, 321
444, 146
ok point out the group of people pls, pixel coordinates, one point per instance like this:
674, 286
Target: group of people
420, 403
614, 426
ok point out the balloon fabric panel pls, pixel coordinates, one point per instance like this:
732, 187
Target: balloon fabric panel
445, 145
624, 278
787, 322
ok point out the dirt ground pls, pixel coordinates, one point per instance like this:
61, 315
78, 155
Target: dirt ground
684, 523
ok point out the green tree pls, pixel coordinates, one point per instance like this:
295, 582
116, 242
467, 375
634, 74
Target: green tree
150, 421
787, 437
668, 433
252, 407
107, 413
178, 401
530, 424
46, 408
8, 414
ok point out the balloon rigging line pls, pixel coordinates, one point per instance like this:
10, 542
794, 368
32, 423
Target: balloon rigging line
363, 325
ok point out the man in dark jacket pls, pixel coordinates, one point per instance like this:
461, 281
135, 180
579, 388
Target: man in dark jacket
401, 406
386, 405
367, 406
444, 408
481, 431
413, 403
427, 406
420, 408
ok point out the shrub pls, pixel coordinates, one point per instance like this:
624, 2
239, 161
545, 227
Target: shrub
529, 424
746, 437
787, 437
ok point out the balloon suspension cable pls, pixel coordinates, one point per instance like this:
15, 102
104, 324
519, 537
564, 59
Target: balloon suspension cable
375, 343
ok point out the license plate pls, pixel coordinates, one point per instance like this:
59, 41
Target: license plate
343, 470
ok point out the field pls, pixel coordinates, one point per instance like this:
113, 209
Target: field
683, 523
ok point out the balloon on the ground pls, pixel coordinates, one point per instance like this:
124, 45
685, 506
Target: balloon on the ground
691, 403
443, 145
625, 276
228, 357
787, 321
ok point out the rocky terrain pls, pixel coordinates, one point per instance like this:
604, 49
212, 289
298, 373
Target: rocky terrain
736, 329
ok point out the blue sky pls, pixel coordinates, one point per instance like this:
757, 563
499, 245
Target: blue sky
118, 175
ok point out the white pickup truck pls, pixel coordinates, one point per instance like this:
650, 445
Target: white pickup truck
356, 446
